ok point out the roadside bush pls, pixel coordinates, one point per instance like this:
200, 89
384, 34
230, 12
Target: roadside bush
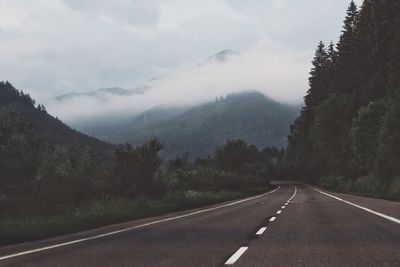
394, 189
368, 185
335, 183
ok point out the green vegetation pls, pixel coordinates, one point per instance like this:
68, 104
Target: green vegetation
55, 180
248, 116
348, 135
105, 212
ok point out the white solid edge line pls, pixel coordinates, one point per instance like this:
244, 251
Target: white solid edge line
261, 231
294, 194
132, 228
279, 212
236, 255
361, 207
272, 219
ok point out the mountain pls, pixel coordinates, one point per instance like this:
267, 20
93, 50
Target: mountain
101, 105
20, 120
103, 93
223, 56
249, 116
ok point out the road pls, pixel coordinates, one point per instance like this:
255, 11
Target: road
294, 225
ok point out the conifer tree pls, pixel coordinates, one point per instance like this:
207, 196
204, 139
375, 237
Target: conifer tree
346, 50
318, 81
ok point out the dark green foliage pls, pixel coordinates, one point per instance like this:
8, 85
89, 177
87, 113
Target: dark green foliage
348, 132
389, 140
329, 135
8, 94
19, 150
234, 155
249, 116
135, 168
365, 134
49, 173
235, 166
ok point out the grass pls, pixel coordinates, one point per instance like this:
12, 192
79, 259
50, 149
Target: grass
106, 212
367, 186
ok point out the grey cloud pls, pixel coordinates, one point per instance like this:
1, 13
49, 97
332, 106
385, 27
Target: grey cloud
52, 47
260, 68
140, 12
300, 24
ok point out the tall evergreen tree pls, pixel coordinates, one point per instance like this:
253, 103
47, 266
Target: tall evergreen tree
318, 79
347, 49
349, 127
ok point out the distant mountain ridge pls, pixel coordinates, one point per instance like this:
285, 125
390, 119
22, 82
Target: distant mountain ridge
17, 108
249, 116
197, 129
223, 56
104, 93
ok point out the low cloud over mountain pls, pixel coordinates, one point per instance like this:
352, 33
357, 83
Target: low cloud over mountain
259, 68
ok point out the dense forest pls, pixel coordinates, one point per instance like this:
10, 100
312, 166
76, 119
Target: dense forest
348, 135
249, 116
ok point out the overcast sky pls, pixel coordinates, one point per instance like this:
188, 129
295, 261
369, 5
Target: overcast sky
51, 47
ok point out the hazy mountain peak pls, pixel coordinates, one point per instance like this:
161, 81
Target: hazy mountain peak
224, 55
248, 115
104, 92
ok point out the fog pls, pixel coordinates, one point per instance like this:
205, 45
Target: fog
279, 74
53, 47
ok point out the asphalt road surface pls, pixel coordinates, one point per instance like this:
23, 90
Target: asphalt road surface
294, 225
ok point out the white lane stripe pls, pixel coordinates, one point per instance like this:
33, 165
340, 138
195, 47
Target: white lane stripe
133, 227
294, 194
279, 212
236, 256
283, 207
272, 219
361, 207
261, 231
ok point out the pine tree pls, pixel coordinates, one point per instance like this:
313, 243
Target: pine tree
318, 81
300, 144
394, 49
350, 126
347, 39
346, 49
332, 54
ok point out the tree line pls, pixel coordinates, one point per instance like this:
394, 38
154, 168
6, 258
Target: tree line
348, 134
47, 168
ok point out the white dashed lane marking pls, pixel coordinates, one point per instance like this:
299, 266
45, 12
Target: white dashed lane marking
22, 253
236, 256
261, 231
242, 250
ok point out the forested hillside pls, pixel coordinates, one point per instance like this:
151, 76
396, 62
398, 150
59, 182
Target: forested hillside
36, 147
248, 116
55, 180
348, 134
